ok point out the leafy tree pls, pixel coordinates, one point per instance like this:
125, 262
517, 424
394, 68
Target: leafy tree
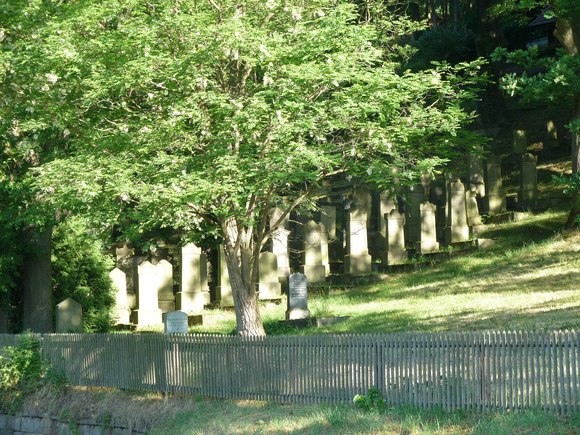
559, 80
204, 115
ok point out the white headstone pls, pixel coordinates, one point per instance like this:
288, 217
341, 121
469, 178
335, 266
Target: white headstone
357, 261
456, 229
122, 311
224, 288
148, 311
269, 287
194, 291
175, 322
165, 286
313, 266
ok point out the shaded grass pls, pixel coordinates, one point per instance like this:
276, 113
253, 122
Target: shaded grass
243, 417
530, 279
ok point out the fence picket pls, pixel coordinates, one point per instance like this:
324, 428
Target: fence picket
482, 372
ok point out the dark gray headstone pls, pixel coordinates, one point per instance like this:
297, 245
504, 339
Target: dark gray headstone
297, 297
176, 322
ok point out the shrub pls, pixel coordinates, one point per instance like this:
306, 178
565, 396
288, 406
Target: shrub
22, 371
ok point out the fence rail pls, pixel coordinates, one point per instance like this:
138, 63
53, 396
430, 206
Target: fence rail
477, 371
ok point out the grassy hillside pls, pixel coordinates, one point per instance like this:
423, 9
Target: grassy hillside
528, 279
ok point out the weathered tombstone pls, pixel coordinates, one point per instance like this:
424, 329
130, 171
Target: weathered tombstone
328, 217
280, 243
386, 204
148, 311
313, 266
269, 286
165, 286
122, 310
324, 249
224, 288
358, 261
396, 253
297, 307
456, 229
69, 316
175, 322
414, 197
475, 171
528, 192
428, 243
194, 291
494, 200
473, 217
552, 132
520, 141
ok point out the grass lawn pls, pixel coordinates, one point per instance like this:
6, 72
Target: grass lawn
231, 417
529, 279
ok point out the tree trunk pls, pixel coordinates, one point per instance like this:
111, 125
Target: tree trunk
242, 271
575, 139
38, 304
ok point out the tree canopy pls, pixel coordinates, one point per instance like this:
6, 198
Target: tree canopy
204, 115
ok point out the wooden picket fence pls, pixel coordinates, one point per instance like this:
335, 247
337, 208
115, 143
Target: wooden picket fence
473, 371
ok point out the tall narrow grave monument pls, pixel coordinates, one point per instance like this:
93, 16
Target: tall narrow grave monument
148, 311
494, 200
428, 243
396, 253
165, 283
224, 288
358, 261
194, 291
122, 310
456, 229
269, 286
528, 193
313, 266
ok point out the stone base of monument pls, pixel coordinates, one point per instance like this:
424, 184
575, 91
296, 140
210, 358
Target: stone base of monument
500, 218
297, 314
147, 317
194, 319
357, 265
317, 322
476, 229
314, 273
124, 327
166, 306
269, 290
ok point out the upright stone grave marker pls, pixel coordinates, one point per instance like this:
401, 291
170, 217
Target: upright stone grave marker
175, 322
224, 289
473, 218
414, 197
165, 283
520, 141
280, 243
528, 193
297, 297
386, 204
69, 316
494, 200
475, 169
428, 243
313, 266
148, 311
122, 310
456, 229
396, 253
194, 292
358, 261
269, 286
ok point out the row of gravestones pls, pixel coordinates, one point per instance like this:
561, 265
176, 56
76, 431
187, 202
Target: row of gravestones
420, 227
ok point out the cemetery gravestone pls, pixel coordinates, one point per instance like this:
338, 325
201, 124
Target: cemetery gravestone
313, 266
269, 286
456, 229
358, 261
414, 198
69, 316
528, 192
165, 296
396, 253
520, 141
175, 322
494, 200
280, 243
428, 243
473, 218
386, 204
297, 297
148, 311
475, 169
224, 289
194, 292
122, 311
